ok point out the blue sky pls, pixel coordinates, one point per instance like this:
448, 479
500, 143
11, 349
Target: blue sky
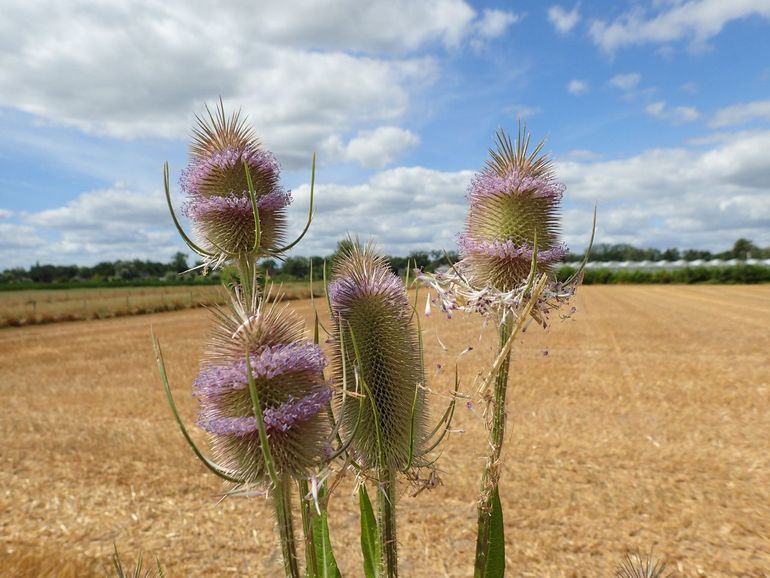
658, 111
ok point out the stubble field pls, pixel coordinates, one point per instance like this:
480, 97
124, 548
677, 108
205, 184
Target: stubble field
643, 421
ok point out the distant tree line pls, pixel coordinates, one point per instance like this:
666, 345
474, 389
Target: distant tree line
740, 274
297, 268
742, 249
106, 272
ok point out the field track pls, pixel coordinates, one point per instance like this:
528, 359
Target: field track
643, 421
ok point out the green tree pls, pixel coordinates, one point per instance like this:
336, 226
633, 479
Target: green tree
296, 267
343, 246
671, 254
179, 262
744, 249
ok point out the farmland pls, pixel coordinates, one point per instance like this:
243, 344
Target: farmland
36, 306
643, 421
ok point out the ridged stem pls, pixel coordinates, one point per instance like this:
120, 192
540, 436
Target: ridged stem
491, 476
285, 521
311, 563
386, 506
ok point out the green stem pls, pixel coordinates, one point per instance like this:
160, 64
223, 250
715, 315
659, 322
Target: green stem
282, 502
386, 505
311, 562
246, 268
491, 475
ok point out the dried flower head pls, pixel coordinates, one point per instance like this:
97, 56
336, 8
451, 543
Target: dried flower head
374, 333
513, 215
216, 184
288, 372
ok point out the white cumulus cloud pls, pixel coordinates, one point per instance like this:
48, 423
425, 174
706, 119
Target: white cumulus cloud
302, 71
628, 81
577, 87
101, 225
372, 148
494, 23
676, 115
705, 196
696, 21
741, 114
403, 209
562, 20
676, 197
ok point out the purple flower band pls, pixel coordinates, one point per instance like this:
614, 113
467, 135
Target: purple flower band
487, 184
269, 363
508, 250
382, 283
199, 169
278, 419
199, 207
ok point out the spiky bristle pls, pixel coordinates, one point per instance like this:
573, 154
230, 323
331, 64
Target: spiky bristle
636, 566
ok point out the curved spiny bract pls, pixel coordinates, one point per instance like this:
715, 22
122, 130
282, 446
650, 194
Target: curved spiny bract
288, 374
372, 325
218, 197
513, 213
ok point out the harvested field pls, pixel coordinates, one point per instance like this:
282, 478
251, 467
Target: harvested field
646, 424
36, 306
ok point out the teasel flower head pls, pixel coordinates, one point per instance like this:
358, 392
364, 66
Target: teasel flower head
511, 237
376, 344
228, 214
288, 376
513, 216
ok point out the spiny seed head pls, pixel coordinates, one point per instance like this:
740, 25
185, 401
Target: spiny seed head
288, 373
218, 200
513, 212
637, 566
371, 313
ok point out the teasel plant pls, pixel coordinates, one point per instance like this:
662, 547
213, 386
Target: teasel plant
263, 398
508, 251
376, 337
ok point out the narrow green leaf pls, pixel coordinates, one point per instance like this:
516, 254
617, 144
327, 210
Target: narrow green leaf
370, 542
309, 215
446, 419
587, 255
326, 563
495, 567
215, 468
185, 238
254, 208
